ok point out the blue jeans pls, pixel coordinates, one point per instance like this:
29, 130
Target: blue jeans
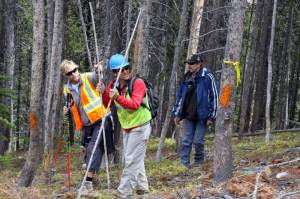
194, 132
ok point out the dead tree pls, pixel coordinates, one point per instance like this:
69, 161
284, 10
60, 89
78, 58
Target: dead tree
172, 84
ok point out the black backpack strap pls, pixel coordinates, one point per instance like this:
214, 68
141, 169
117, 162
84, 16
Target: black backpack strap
130, 88
131, 85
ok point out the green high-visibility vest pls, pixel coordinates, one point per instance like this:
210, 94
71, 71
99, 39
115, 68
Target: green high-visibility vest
133, 118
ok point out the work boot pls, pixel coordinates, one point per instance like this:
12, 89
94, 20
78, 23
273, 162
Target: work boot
118, 195
87, 189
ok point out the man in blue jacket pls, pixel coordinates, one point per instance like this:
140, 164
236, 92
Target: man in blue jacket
196, 104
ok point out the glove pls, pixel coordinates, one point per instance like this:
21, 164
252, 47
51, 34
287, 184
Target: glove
209, 123
113, 94
66, 110
101, 87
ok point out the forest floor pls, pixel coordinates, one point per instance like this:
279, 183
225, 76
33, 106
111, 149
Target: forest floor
169, 180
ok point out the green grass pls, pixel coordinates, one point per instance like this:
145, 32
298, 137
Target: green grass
161, 174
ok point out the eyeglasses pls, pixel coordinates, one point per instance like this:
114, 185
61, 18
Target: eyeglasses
123, 69
71, 72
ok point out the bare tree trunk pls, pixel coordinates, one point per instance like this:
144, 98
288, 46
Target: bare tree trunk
50, 21
142, 40
2, 47
249, 68
128, 23
54, 87
282, 71
112, 45
115, 27
86, 42
195, 29
9, 65
172, 85
34, 154
270, 56
289, 64
295, 86
258, 113
222, 168
160, 51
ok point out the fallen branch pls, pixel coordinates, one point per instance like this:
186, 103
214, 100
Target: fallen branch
256, 185
294, 122
262, 132
262, 170
289, 194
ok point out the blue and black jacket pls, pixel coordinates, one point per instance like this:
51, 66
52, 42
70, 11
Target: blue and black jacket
207, 96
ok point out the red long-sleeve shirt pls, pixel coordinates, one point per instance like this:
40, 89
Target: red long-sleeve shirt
138, 92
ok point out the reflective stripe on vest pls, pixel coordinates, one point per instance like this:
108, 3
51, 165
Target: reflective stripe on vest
91, 102
132, 118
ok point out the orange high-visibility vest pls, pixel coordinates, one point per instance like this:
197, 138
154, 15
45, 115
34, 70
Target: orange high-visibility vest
91, 102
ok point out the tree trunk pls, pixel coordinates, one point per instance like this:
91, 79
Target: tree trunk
295, 86
1, 35
128, 22
270, 56
34, 153
84, 32
115, 28
142, 40
282, 73
222, 168
258, 113
249, 68
195, 29
289, 64
159, 50
54, 87
9, 64
172, 84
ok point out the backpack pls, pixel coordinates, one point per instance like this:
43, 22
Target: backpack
151, 94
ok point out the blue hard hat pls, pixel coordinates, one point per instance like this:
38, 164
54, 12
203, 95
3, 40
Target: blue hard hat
117, 61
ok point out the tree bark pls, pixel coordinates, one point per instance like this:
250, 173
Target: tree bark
9, 64
222, 168
172, 84
195, 29
1, 35
295, 86
159, 50
34, 153
249, 69
128, 23
84, 32
258, 113
269, 83
289, 63
282, 69
54, 87
142, 38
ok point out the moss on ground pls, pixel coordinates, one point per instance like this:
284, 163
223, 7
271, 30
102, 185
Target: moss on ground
164, 177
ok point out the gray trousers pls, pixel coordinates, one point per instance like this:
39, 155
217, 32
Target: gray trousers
97, 157
134, 174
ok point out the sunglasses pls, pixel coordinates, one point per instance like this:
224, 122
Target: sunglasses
123, 69
192, 63
71, 72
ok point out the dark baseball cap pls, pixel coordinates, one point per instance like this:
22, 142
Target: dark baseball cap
195, 59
